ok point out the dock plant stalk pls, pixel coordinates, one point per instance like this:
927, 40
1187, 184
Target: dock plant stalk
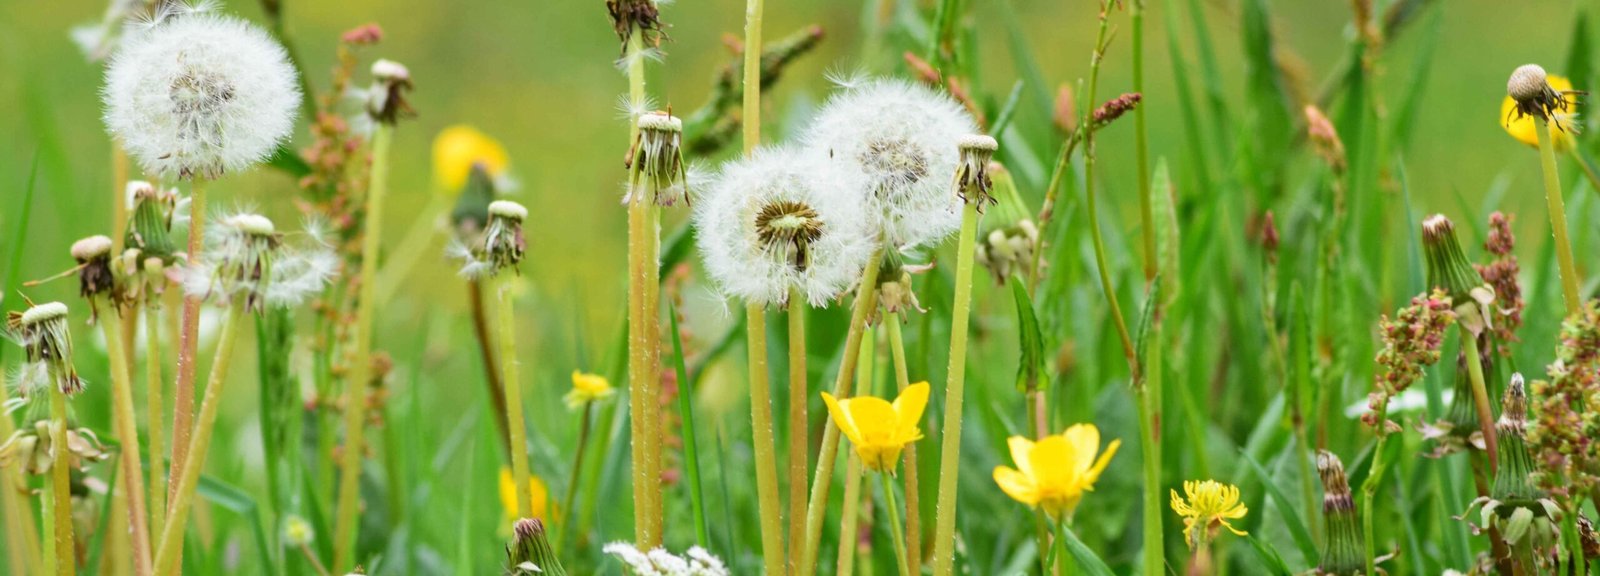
355, 397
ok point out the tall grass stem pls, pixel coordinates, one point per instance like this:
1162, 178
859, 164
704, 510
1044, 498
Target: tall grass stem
897, 352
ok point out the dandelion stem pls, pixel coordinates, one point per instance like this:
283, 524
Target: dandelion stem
799, 437
577, 473
506, 312
1480, 397
188, 342
61, 487
850, 515
761, 430
128, 435
644, 332
866, 302
1558, 218
22, 546
944, 526
897, 351
491, 369
355, 397
154, 402
895, 531
170, 551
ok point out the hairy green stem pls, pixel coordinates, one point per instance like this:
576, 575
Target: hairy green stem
505, 310
644, 333
897, 350
169, 553
124, 421
577, 473
188, 342
355, 397
1148, 396
896, 534
1369, 488
771, 511
154, 402
1558, 218
944, 526
865, 304
849, 516
61, 488
1480, 397
799, 436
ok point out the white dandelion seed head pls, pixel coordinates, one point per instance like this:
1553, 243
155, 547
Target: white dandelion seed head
745, 256
198, 95
245, 257
898, 141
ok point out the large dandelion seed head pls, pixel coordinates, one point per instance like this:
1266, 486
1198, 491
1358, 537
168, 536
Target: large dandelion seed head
779, 220
897, 142
199, 94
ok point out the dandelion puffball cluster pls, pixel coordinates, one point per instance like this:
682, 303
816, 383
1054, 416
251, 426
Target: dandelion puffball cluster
246, 258
874, 169
197, 95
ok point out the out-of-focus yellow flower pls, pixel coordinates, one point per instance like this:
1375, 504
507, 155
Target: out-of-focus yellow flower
1208, 506
297, 532
457, 148
878, 429
1054, 472
587, 388
1525, 129
536, 490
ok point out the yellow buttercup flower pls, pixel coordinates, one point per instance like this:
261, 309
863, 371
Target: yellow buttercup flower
878, 429
1525, 129
587, 388
1054, 472
457, 148
536, 490
1209, 504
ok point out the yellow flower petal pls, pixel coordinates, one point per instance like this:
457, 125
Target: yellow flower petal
1525, 128
908, 412
1054, 463
1017, 485
874, 419
536, 490
841, 418
457, 148
1021, 454
1100, 465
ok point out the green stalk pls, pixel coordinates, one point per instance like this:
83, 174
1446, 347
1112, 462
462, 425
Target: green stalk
691, 444
895, 532
188, 341
644, 331
22, 546
1369, 489
156, 423
506, 312
799, 435
866, 302
1141, 147
577, 473
897, 350
124, 421
1480, 397
355, 398
850, 515
1558, 218
944, 526
61, 488
1148, 396
772, 550
170, 552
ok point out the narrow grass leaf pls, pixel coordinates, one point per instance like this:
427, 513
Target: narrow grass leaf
1291, 518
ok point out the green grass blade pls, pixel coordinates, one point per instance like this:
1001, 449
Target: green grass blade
1291, 517
238, 502
1086, 558
686, 412
1270, 560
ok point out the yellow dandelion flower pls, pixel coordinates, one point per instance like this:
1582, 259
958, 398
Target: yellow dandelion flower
457, 148
878, 429
536, 490
1054, 472
1209, 505
1525, 129
587, 388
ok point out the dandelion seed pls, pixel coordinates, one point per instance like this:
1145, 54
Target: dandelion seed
245, 257
777, 221
896, 142
878, 429
1055, 472
1206, 507
199, 95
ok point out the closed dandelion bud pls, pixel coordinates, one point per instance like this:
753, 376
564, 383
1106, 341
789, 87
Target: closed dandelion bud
973, 184
1511, 480
47, 343
198, 95
31, 449
95, 279
656, 162
896, 293
529, 552
247, 259
1343, 549
150, 221
386, 100
1449, 270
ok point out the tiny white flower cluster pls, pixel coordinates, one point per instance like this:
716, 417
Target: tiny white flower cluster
245, 257
874, 170
195, 94
659, 562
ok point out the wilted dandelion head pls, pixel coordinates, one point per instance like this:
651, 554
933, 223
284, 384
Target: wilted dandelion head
1532, 94
973, 184
1525, 129
33, 451
501, 246
93, 255
386, 102
246, 258
778, 220
897, 143
199, 94
47, 342
656, 161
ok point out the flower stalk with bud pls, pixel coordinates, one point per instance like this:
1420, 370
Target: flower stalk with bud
1530, 88
42, 330
386, 104
1450, 271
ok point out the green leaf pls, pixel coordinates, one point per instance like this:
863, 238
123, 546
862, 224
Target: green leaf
1269, 557
236, 501
1580, 54
1086, 558
285, 159
1009, 110
690, 445
1291, 518
1168, 243
1147, 319
1030, 369
677, 249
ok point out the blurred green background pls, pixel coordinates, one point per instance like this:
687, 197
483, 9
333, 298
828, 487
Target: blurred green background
539, 76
